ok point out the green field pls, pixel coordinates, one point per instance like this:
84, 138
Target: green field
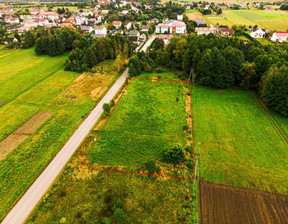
238, 144
30, 84
272, 20
147, 118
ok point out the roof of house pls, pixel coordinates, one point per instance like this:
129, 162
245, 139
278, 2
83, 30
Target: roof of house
116, 22
145, 26
200, 21
281, 33
165, 36
116, 31
99, 27
209, 29
230, 31
133, 33
85, 28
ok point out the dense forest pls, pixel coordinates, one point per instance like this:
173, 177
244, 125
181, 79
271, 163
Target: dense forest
222, 63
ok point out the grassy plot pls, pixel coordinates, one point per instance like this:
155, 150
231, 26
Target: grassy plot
237, 142
147, 118
33, 84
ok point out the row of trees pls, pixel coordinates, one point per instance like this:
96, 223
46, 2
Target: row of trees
57, 42
224, 62
99, 49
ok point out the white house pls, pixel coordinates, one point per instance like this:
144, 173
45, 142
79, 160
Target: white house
163, 28
205, 30
11, 20
180, 17
99, 18
79, 20
100, 30
258, 33
48, 15
280, 37
178, 27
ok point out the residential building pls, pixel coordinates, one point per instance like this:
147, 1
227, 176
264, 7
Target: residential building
11, 20
100, 30
86, 29
225, 32
103, 2
129, 25
165, 37
117, 24
134, 35
280, 37
258, 33
145, 28
163, 28
171, 27
114, 31
80, 20
180, 17
205, 30
48, 15
154, 20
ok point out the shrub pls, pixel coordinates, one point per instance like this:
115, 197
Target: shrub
119, 215
173, 155
106, 107
159, 70
152, 167
112, 103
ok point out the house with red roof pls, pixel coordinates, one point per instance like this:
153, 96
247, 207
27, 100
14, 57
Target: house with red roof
280, 37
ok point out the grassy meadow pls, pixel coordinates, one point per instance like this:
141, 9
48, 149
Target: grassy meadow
237, 142
272, 20
147, 118
30, 84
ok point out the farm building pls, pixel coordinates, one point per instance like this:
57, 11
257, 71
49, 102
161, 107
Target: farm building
280, 37
258, 33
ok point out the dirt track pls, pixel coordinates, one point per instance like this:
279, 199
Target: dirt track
225, 204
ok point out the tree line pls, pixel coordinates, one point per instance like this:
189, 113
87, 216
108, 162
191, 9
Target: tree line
222, 63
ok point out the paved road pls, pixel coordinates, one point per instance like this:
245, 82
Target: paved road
147, 44
29, 200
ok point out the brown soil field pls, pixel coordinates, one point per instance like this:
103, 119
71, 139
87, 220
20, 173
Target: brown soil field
226, 204
194, 16
23, 132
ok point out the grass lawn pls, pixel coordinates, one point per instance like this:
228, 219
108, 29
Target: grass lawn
147, 119
272, 20
30, 84
237, 142
191, 11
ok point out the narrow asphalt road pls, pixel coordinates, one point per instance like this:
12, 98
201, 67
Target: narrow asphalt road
147, 44
29, 200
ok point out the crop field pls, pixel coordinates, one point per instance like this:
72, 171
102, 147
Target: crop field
44, 104
237, 142
224, 204
147, 118
272, 20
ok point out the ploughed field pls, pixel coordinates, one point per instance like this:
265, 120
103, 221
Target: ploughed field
40, 107
238, 143
226, 204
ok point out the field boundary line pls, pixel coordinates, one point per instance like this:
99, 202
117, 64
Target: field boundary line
271, 118
144, 174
